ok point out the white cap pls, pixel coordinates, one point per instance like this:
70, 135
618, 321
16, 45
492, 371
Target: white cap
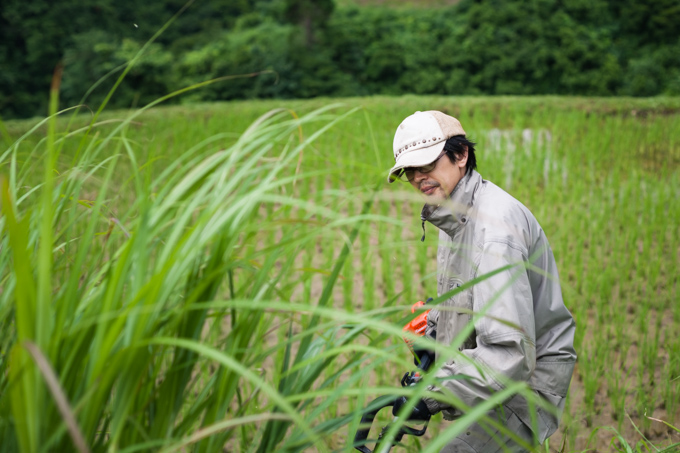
420, 139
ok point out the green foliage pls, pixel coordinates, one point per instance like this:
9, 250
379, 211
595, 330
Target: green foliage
390, 52
654, 70
96, 54
575, 47
267, 46
35, 36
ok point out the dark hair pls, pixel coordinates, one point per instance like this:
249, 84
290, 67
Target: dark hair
455, 148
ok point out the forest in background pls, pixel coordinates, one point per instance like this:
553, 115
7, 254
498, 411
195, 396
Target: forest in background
316, 48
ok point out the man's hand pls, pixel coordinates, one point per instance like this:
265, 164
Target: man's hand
419, 412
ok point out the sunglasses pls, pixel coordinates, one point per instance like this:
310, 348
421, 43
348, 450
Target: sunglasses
408, 173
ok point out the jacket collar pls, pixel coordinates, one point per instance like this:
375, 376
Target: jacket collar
453, 214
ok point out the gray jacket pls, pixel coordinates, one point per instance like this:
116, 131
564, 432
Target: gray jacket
482, 229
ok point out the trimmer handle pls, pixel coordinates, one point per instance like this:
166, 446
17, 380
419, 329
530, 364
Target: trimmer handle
377, 404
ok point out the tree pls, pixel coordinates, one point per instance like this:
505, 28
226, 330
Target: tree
311, 15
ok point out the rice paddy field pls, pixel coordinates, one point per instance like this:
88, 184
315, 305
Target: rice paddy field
205, 278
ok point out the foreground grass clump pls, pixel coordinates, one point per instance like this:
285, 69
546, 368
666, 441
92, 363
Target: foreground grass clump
209, 286
164, 302
119, 303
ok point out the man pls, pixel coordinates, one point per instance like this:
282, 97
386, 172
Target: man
483, 229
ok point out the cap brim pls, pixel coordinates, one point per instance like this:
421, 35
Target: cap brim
416, 158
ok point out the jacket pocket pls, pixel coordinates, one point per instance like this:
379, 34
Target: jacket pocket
453, 301
455, 314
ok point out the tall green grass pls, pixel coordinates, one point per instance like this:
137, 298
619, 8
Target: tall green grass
111, 301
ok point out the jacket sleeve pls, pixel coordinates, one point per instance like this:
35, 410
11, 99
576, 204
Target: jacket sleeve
504, 349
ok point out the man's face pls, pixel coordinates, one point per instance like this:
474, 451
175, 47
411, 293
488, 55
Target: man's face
438, 184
